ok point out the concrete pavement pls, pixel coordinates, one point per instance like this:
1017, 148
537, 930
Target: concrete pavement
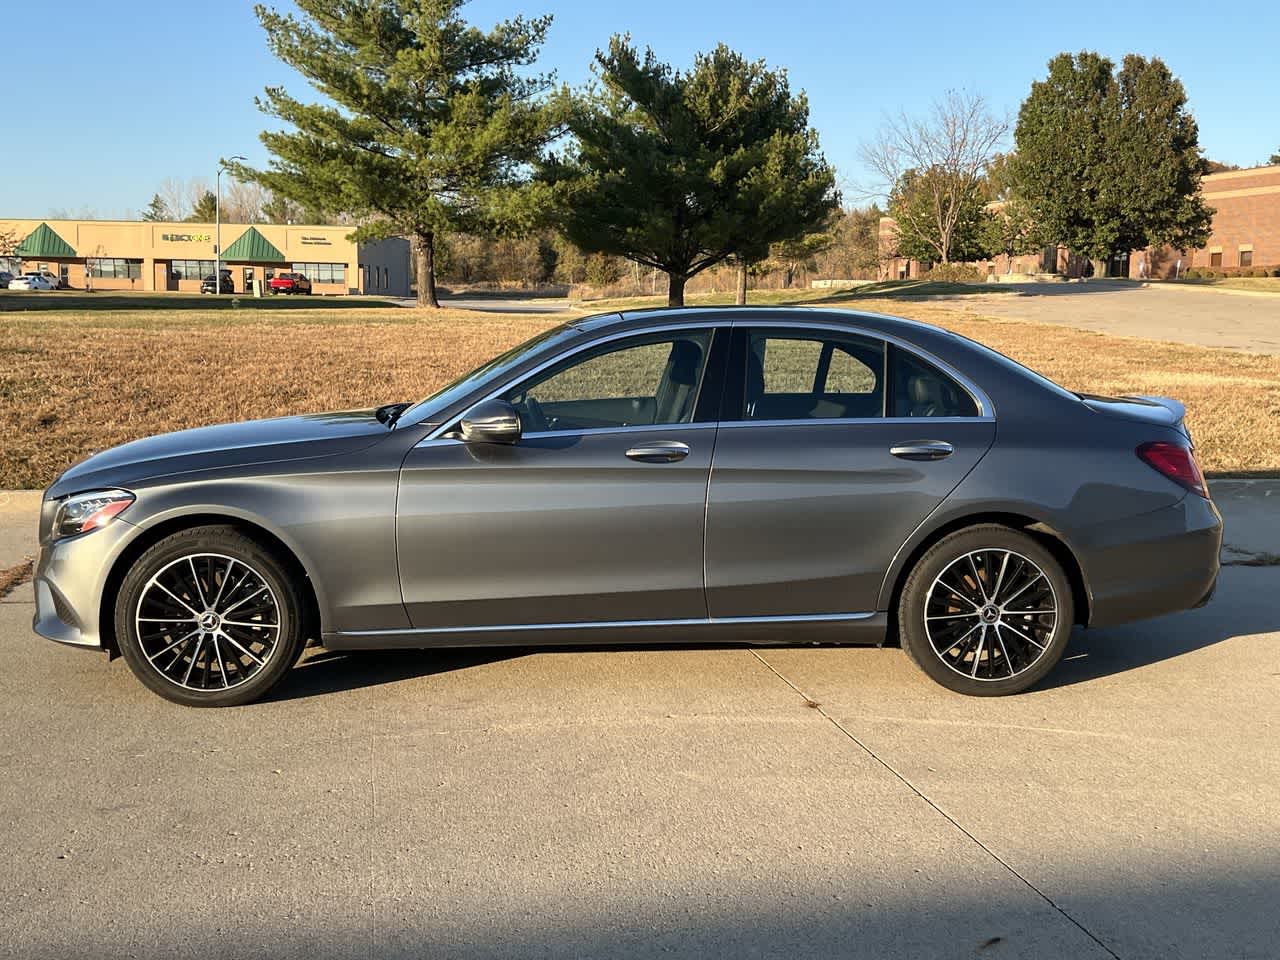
1183, 314
687, 802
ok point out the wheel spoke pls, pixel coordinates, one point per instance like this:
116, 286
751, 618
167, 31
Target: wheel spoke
1003, 651
977, 656
241, 603
222, 585
194, 612
1023, 589
182, 639
995, 591
195, 576
191, 666
977, 579
235, 643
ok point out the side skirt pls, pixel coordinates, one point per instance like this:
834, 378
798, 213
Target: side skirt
850, 628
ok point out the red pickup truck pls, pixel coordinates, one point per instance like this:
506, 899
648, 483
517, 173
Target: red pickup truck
290, 283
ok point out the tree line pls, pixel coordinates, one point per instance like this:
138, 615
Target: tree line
433, 129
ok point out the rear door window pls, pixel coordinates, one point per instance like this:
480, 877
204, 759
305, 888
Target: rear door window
797, 375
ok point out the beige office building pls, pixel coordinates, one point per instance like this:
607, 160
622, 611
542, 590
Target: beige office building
144, 255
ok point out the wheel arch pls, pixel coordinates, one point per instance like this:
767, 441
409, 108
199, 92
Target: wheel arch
1045, 534
154, 533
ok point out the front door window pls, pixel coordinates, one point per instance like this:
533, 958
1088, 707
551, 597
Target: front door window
648, 381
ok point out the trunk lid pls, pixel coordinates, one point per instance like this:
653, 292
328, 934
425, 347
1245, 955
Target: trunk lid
1159, 411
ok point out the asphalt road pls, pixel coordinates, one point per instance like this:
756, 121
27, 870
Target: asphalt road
1184, 314
775, 802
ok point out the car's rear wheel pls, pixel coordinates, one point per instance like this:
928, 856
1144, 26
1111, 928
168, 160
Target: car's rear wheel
986, 611
208, 617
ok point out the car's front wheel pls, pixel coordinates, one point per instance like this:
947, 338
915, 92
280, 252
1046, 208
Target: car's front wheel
986, 611
208, 617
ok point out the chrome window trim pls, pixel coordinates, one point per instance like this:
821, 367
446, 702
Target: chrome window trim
598, 341
615, 624
986, 410
849, 421
630, 428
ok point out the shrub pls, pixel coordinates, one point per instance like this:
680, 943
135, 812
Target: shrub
1276, 272
1192, 273
953, 272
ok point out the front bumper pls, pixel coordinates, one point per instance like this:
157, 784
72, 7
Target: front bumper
69, 580
1152, 564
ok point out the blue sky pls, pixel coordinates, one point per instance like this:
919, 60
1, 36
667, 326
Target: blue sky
108, 105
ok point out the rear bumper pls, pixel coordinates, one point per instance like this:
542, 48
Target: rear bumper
1152, 564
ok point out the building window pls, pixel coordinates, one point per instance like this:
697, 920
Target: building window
115, 268
1246, 258
1215, 259
191, 269
322, 272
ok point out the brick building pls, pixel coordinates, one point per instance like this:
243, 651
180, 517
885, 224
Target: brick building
1246, 236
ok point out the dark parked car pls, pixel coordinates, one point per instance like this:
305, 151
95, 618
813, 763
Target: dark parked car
5, 277
290, 283
715, 475
227, 285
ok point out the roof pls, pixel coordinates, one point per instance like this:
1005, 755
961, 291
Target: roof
253, 247
43, 242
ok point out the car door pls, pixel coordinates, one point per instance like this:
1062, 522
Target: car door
596, 514
832, 449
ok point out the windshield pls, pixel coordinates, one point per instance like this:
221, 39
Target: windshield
494, 369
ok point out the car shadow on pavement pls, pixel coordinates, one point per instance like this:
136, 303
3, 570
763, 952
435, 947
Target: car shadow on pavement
325, 672
1243, 606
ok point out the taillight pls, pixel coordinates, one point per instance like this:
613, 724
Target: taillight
1177, 462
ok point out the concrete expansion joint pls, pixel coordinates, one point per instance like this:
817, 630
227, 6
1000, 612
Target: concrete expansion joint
815, 705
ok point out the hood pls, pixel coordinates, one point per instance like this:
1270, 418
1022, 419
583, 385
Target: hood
228, 444
1161, 411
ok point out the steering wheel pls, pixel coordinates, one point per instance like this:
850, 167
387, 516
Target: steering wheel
534, 414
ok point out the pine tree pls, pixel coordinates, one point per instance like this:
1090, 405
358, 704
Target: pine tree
681, 171
157, 210
428, 127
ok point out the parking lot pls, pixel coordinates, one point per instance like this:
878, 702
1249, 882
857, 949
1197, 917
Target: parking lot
659, 802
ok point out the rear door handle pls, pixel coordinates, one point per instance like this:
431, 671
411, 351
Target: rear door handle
659, 451
922, 450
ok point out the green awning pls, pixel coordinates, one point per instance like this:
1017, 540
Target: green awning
43, 242
253, 247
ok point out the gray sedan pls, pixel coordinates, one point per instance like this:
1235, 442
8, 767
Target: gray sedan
708, 475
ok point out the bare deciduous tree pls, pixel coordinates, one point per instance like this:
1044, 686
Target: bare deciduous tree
943, 154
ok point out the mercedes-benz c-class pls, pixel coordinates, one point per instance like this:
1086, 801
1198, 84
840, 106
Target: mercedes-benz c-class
702, 475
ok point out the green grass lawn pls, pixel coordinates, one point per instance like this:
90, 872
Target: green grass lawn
39, 301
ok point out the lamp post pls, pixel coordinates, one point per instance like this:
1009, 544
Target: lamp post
217, 225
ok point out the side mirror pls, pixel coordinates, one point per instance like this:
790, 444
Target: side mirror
494, 421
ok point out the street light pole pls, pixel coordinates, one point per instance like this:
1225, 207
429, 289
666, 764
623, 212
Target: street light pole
217, 226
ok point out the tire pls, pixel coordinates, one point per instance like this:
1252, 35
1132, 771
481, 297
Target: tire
986, 583
173, 645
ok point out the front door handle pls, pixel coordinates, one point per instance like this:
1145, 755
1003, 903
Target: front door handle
922, 450
659, 451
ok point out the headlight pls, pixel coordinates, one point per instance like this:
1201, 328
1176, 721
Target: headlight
89, 511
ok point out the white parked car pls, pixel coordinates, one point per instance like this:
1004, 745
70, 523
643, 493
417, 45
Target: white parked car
34, 281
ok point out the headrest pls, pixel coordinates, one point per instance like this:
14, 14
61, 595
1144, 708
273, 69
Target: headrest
685, 359
924, 389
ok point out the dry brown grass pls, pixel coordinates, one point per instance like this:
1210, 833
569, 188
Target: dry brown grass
72, 383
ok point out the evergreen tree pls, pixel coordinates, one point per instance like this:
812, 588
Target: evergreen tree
1110, 161
429, 126
205, 210
157, 210
681, 170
